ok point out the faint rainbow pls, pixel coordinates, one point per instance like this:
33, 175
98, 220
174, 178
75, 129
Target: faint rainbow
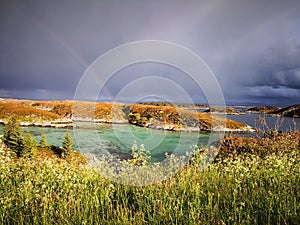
74, 53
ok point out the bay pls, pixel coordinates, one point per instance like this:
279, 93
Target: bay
118, 139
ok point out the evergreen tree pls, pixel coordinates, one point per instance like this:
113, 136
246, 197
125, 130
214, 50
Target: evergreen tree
43, 142
13, 136
67, 145
30, 146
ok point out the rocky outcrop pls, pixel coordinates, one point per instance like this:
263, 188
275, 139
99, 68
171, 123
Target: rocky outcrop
62, 113
291, 111
176, 119
221, 110
263, 109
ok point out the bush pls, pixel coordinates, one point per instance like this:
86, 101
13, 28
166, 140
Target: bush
285, 142
140, 157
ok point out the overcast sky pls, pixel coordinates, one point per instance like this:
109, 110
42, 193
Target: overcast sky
253, 47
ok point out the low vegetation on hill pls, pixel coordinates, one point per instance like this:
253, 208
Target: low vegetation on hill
26, 113
291, 111
178, 105
225, 110
263, 109
177, 118
158, 117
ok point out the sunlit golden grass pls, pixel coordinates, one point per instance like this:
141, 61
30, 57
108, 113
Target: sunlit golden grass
184, 117
25, 112
219, 121
246, 189
29, 110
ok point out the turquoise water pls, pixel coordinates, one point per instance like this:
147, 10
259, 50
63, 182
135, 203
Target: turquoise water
118, 139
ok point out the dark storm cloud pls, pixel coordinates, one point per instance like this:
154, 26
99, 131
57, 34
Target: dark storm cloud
288, 78
253, 47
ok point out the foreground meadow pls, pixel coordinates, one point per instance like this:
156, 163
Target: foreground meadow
256, 187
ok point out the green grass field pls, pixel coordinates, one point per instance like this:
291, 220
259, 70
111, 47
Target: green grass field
245, 189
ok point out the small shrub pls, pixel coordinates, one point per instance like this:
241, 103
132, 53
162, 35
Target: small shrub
278, 143
140, 157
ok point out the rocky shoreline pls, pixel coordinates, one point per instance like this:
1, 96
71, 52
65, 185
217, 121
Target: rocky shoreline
159, 116
167, 127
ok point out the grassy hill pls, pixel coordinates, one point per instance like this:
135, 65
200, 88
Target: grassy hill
291, 111
178, 118
25, 113
158, 117
263, 109
221, 110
